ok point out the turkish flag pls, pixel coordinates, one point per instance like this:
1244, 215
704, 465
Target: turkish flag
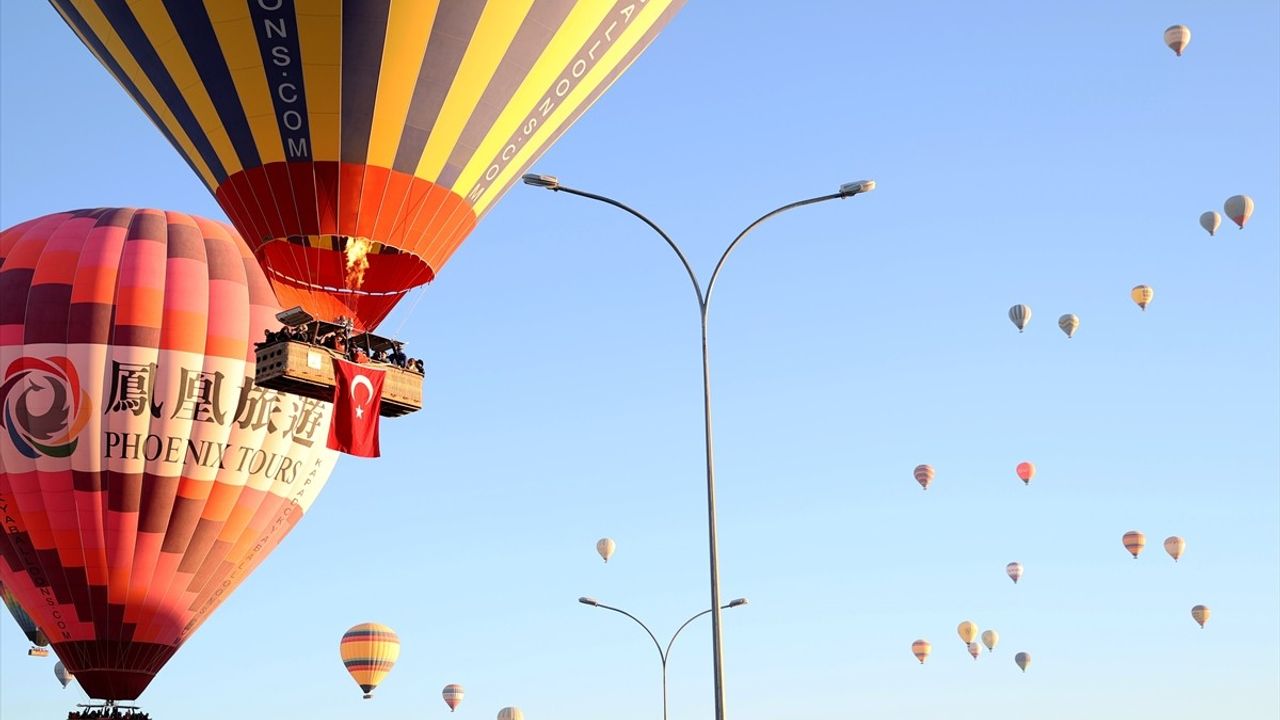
357, 399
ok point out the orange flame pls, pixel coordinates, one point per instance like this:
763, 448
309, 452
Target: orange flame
357, 263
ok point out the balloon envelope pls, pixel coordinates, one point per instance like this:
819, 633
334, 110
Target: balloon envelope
1177, 37
1142, 295
1239, 208
149, 476
975, 650
1023, 660
1020, 315
1210, 221
60, 672
1174, 545
510, 713
606, 546
34, 635
921, 649
1201, 614
1069, 324
967, 631
1134, 541
1026, 471
924, 475
452, 695
1014, 569
990, 638
369, 651
356, 144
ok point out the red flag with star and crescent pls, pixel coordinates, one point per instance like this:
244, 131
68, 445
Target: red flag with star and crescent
357, 400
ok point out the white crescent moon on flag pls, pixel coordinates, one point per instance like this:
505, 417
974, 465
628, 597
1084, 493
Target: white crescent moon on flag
357, 382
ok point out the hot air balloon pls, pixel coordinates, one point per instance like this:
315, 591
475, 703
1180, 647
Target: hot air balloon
355, 145
967, 631
1142, 295
921, 649
990, 638
1201, 614
369, 651
452, 695
1020, 315
1239, 208
1174, 545
1014, 569
1210, 221
924, 475
148, 476
1023, 660
1177, 37
64, 677
975, 650
34, 634
1134, 541
1069, 324
1026, 471
510, 713
606, 546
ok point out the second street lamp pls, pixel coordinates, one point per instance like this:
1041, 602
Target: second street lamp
664, 655
847, 190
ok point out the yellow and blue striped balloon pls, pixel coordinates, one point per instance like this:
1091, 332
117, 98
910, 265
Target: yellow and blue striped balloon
369, 650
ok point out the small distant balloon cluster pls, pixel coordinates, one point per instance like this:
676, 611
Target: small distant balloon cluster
1135, 541
968, 632
924, 474
1238, 207
1020, 316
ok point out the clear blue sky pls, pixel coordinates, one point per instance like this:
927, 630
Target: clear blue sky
1054, 154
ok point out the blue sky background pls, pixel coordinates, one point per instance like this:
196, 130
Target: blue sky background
1049, 154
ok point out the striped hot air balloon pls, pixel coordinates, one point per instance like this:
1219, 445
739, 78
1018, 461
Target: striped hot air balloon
369, 651
1023, 660
148, 476
1201, 614
1020, 315
921, 649
1177, 37
924, 475
1134, 541
1175, 546
356, 144
510, 713
452, 695
1142, 294
1069, 323
1026, 471
990, 638
1239, 208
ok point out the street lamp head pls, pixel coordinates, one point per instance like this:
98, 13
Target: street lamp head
589, 601
847, 189
736, 603
550, 182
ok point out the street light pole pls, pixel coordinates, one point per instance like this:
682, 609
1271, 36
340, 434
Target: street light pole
847, 190
663, 655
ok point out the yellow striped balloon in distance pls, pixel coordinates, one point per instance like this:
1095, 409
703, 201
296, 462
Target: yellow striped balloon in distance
1023, 659
924, 475
1014, 570
510, 713
1177, 37
990, 638
1142, 295
1026, 470
1201, 614
356, 143
606, 546
1210, 221
369, 650
921, 649
1134, 541
1020, 315
1239, 208
967, 631
1069, 323
1175, 546
975, 650
452, 695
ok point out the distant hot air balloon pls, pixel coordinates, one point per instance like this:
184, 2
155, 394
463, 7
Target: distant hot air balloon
1020, 315
924, 475
975, 650
1201, 614
1026, 471
146, 475
606, 546
967, 631
921, 649
369, 651
1210, 221
1023, 660
1239, 208
1069, 323
1174, 545
355, 145
1134, 541
1014, 569
510, 713
1142, 295
33, 633
1177, 37
452, 695
64, 677
990, 638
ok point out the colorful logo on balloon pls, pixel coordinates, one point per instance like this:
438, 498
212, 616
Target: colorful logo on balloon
42, 407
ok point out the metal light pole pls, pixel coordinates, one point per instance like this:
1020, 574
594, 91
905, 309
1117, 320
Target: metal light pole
550, 182
664, 655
